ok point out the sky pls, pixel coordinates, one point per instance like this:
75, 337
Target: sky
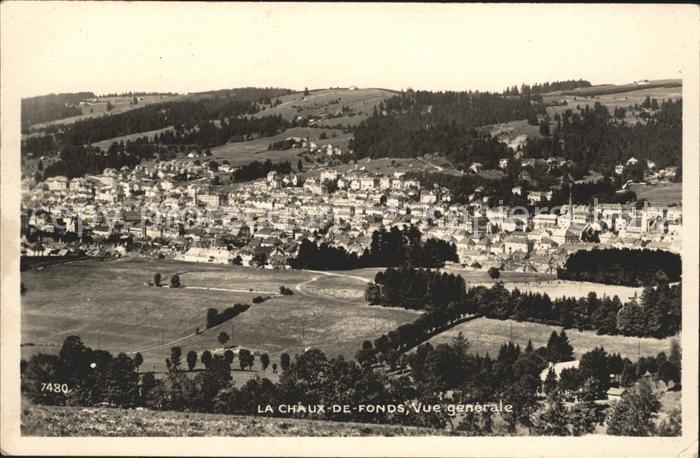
189, 47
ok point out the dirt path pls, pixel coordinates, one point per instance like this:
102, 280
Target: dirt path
206, 288
300, 288
332, 274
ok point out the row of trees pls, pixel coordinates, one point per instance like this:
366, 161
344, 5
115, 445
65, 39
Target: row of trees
615, 266
543, 88
389, 248
246, 359
445, 372
445, 300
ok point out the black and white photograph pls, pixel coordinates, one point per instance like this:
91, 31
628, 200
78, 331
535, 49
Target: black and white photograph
435, 225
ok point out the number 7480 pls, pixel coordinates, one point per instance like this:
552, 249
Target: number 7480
55, 387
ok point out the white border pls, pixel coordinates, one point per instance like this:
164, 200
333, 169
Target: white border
600, 445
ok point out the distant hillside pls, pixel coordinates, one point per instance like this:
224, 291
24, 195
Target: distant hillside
245, 93
77, 421
603, 89
50, 107
95, 107
330, 107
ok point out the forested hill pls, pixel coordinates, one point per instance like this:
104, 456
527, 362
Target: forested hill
596, 139
417, 122
592, 137
203, 120
50, 107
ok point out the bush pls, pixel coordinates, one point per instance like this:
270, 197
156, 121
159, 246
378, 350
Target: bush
494, 273
286, 291
259, 299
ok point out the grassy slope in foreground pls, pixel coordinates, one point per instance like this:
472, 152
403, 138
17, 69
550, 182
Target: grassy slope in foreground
79, 421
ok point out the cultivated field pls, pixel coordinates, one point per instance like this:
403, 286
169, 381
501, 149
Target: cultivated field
76, 421
486, 335
107, 303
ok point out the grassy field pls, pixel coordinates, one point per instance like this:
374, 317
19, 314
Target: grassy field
487, 335
663, 194
361, 102
106, 303
240, 153
76, 421
605, 89
544, 283
613, 100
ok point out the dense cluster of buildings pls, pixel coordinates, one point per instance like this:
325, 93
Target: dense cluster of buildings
172, 209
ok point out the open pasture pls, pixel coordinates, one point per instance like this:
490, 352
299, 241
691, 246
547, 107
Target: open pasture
108, 305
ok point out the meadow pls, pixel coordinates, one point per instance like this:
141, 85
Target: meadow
360, 101
239, 153
108, 306
486, 335
531, 282
663, 194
